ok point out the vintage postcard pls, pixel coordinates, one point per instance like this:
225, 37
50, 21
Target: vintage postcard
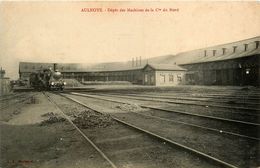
129, 84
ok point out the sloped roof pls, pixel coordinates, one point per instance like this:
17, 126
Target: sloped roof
33, 66
76, 67
229, 54
163, 62
198, 55
102, 69
166, 67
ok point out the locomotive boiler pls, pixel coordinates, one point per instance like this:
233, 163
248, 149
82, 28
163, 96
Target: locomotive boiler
47, 79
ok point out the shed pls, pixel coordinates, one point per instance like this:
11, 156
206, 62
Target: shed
163, 74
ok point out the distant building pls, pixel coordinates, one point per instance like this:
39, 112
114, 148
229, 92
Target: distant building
234, 63
150, 74
5, 87
163, 75
26, 68
2, 73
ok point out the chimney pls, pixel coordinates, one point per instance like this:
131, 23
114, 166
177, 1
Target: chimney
136, 61
246, 45
133, 62
214, 52
256, 44
234, 49
223, 51
205, 53
55, 66
140, 60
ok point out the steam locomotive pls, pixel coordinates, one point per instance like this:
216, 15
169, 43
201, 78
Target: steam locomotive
47, 79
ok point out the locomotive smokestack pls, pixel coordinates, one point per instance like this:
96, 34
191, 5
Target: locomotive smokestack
55, 66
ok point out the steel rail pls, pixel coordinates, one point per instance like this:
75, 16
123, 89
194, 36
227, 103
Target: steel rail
194, 125
202, 127
8, 97
210, 96
18, 102
249, 114
182, 98
91, 142
165, 97
187, 103
223, 97
218, 161
174, 111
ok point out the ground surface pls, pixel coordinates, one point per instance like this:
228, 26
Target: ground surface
35, 134
32, 137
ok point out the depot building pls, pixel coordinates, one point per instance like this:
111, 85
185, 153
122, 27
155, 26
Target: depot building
234, 64
148, 74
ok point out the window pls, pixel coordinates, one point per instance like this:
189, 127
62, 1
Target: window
162, 78
152, 79
171, 79
179, 78
146, 77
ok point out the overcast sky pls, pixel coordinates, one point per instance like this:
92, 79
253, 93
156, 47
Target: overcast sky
60, 32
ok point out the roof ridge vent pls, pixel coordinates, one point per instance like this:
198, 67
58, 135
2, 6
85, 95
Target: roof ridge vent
214, 52
246, 46
205, 53
256, 44
234, 49
224, 51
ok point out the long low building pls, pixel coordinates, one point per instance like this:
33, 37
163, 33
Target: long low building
234, 63
149, 74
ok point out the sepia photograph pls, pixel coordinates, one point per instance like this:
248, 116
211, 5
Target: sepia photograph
129, 84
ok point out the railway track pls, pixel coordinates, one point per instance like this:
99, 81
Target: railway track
12, 96
159, 137
251, 115
234, 123
175, 111
77, 128
168, 129
193, 99
7, 97
222, 97
248, 116
195, 95
186, 103
152, 96
2, 107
